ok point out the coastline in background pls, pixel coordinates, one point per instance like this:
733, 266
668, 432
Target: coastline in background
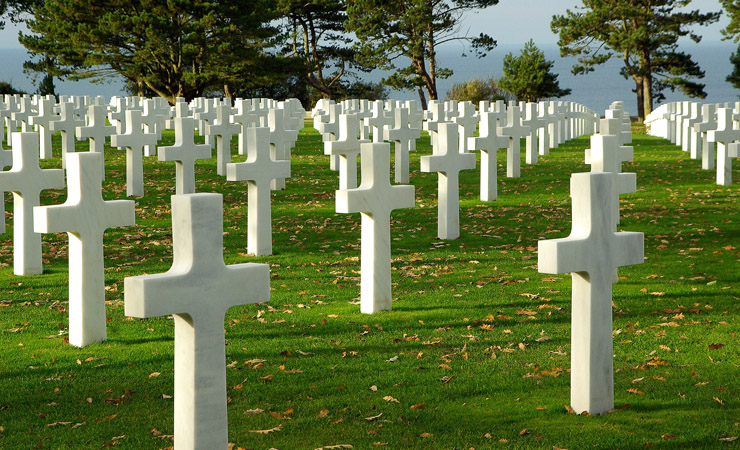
595, 90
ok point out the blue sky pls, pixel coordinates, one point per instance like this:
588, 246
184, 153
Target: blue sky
509, 22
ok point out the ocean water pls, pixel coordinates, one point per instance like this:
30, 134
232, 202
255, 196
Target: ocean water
595, 90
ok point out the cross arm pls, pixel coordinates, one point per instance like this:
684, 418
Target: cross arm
556, 256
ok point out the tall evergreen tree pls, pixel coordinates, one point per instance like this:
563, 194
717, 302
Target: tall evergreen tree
644, 34
318, 43
529, 76
732, 31
173, 48
391, 29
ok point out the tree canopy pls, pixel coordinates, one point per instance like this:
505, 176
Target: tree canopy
173, 48
644, 34
406, 33
732, 31
529, 76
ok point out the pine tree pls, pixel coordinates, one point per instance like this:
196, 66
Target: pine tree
644, 34
528, 76
391, 29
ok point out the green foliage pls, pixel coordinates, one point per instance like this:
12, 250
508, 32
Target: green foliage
177, 49
318, 42
476, 90
391, 29
732, 10
644, 35
482, 339
528, 77
46, 86
734, 77
7, 88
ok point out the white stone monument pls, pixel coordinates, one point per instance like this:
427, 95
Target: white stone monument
514, 131
708, 123
375, 198
347, 148
224, 131
592, 252
259, 170
282, 140
184, 152
67, 124
6, 160
447, 161
42, 121
85, 217
404, 136
26, 180
134, 141
488, 142
723, 136
198, 290
96, 131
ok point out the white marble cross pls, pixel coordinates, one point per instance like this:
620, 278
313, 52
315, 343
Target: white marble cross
613, 127
405, 138
6, 160
605, 157
259, 170
535, 124
198, 290
282, 140
204, 118
514, 131
379, 120
375, 198
26, 180
437, 111
690, 138
722, 137
134, 141
42, 121
488, 143
543, 117
347, 148
85, 217
118, 115
247, 116
224, 131
447, 161
708, 123
184, 152
592, 252
67, 124
96, 131
466, 121
153, 119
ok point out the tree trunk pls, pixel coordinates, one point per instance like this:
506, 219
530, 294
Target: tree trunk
647, 97
422, 97
640, 98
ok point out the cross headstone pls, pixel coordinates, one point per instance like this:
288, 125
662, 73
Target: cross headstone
118, 115
447, 161
612, 127
223, 130
67, 124
153, 119
605, 157
198, 290
691, 137
708, 123
96, 131
375, 198
85, 217
533, 121
43, 121
543, 116
184, 152
723, 136
26, 180
466, 121
592, 252
6, 160
379, 119
258, 170
134, 141
488, 143
247, 116
437, 110
282, 140
403, 135
347, 148
514, 131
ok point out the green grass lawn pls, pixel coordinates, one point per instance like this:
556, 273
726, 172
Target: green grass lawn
474, 355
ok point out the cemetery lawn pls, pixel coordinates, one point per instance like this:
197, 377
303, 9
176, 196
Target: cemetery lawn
475, 353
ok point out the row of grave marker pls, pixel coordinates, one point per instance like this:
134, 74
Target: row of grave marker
197, 223
710, 132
